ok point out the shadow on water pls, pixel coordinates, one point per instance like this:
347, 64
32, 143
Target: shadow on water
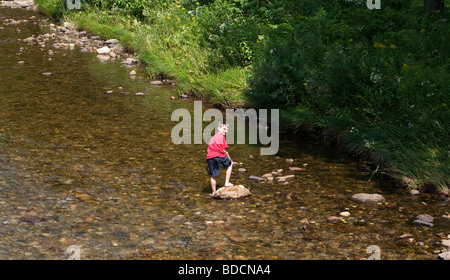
99, 171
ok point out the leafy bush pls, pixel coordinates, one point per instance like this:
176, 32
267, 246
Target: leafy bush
137, 8
227, 33
373, 78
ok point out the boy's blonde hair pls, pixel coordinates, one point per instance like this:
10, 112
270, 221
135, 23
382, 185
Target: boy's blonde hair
220, 124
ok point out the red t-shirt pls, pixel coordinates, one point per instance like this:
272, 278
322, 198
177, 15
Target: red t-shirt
216, 146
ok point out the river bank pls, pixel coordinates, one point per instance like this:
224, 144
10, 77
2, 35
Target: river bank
24, 4
388, 147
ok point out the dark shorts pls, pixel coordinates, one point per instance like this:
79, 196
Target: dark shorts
214, 163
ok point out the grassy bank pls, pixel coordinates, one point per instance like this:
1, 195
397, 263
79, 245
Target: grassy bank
374, 81
167, 41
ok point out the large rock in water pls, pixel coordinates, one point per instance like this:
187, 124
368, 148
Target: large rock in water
424, 220
445, 256
232, 192
368, 197
105, 50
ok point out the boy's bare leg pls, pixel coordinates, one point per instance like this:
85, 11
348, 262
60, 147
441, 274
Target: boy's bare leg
213, 184
228, 175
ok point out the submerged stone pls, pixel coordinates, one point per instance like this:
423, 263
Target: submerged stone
156, 83
424, 220
103, 58
296, 169
366, 197
285, 178
256, 178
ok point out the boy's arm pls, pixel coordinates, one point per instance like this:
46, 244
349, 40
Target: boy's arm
228, 155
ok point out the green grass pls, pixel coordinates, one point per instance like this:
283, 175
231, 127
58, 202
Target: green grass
168, 53
52, 8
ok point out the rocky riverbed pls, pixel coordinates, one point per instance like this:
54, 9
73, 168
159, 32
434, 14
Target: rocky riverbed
66, 36
23, 4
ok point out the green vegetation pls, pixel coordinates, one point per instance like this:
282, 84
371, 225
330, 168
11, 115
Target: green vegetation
374, 81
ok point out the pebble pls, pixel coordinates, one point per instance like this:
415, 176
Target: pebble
178, 218
256, 178
103, 58
293, 169
47, 74
209, 223
111, 42
345, 214
139, 94
130, 60
133, 73
333, 219
285, 178
360, 222
30, 219
104, 50
413, 192
365, 197
82, 196
238, 239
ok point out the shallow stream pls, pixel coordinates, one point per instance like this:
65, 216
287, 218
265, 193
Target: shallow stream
99, 171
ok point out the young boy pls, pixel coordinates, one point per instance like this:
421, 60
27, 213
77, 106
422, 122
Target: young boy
218, 156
